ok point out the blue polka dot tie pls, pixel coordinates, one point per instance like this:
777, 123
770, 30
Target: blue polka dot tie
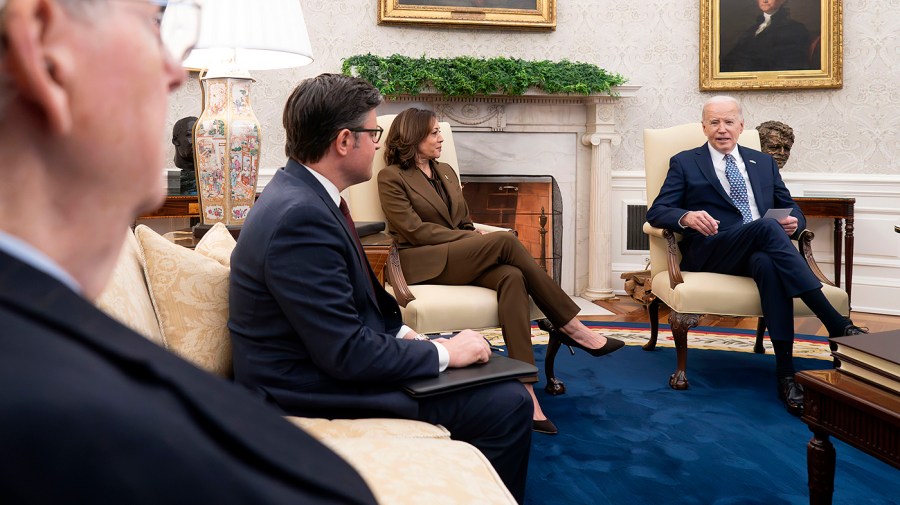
738, 188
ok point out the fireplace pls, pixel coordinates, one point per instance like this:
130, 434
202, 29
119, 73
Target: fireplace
530, 205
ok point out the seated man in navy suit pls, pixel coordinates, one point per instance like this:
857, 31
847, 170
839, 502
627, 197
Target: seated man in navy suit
715, 195
314, 333
90, 411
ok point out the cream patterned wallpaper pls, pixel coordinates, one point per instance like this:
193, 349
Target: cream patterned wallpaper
652, 42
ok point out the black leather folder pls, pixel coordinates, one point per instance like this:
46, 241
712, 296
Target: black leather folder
364, 228
453, 379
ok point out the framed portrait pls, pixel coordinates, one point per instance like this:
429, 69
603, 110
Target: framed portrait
504, 14
771, 44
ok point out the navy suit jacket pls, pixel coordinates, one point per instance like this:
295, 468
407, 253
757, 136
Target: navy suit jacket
313, 330
691, 184
91, 412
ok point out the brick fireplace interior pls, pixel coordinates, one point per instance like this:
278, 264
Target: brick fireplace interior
530, 205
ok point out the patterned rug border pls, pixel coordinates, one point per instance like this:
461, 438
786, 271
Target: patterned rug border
700, 337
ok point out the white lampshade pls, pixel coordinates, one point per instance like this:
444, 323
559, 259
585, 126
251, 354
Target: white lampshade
251, 35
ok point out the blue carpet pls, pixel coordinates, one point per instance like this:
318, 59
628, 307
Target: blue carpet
627, 438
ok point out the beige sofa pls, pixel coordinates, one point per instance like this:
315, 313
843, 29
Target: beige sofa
178, 298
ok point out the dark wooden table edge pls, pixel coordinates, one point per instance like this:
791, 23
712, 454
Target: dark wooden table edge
877, 405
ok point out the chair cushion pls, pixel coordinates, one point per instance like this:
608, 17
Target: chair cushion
190, 297
126, 298
731, 295
374, 427
444, 471
452, 308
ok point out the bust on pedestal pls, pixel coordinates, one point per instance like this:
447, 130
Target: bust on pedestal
182, 139
776, 139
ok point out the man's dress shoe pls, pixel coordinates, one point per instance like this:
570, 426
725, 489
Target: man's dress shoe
791, 394
852, 329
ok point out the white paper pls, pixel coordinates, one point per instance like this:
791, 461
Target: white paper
778, 214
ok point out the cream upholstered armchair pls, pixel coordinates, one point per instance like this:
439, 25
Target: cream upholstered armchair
690, 295
427, 308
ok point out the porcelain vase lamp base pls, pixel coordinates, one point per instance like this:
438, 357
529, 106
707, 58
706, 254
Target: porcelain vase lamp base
226, 149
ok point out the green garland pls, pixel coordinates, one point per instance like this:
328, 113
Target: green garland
467, 76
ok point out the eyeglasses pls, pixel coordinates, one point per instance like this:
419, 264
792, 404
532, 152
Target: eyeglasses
178, 22
375, 133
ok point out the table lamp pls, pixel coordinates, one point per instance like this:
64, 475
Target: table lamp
237, 36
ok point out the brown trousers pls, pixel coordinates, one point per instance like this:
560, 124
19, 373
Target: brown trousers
499, 261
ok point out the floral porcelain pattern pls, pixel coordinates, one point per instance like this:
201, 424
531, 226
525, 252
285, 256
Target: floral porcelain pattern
227, 158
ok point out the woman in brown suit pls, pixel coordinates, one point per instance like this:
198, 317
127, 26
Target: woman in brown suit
429, 220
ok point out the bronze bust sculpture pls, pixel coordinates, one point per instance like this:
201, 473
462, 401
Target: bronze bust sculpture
776, 140
182, 139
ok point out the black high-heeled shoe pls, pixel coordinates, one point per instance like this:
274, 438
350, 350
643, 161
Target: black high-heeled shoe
555, 386
610, 346
544, 426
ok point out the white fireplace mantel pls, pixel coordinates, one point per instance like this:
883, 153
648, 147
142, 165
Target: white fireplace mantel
570, 137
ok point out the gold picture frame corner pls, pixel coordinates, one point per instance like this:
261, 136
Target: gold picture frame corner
825, 44
465, 14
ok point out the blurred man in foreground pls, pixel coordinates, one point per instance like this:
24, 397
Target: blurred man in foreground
91, 412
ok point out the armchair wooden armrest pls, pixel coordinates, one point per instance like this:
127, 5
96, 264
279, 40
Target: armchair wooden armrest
804, 243
672, 239
395, 277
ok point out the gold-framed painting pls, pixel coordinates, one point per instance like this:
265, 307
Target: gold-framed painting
749, 45
503, 14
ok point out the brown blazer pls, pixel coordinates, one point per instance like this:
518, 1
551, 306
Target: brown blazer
419, 221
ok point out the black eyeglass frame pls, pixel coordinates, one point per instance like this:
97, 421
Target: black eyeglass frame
377, 131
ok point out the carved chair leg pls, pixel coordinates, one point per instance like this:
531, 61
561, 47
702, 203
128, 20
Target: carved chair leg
681, 323
758, 347
653, 312
554, 385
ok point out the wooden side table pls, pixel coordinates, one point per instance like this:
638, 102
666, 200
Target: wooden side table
377, 248
841, 210
865, 417
176, 206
